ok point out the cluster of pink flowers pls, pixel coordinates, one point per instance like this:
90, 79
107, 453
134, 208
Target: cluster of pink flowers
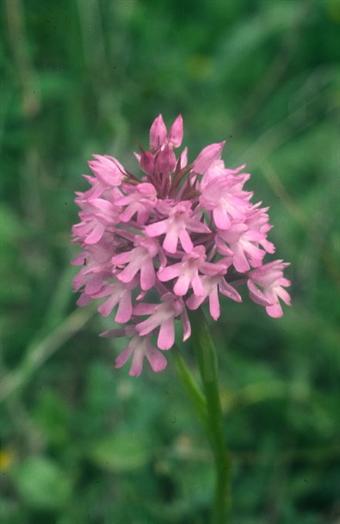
177, 236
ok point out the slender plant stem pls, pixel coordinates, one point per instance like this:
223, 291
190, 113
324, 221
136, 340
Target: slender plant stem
207, 362
193, 390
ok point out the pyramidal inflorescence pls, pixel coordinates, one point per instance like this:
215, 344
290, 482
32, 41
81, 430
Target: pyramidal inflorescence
169, 239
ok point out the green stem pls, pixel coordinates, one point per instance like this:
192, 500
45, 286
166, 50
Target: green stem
191, 387
207, 362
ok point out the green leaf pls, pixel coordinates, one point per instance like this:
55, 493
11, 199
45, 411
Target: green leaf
42, 484
124, 451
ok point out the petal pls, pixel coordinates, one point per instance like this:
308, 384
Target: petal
228, 291
147, 275
156, 359
284, 295
102, 205
124, 356
122, 258
158, 133
93, 286
106, 308
142, 216
156, 229
221, 218
285, 282
198, 227
176, 132
197, 285
207, 156
186, 241
186, 325
166, 337
274, 310
129, 271
107, 169
168, 273
268, 246
171, 241
146, 162
124, 312
194, 302
182, 285
240, 261
183, 159
80, 260
128, 213
96, 234
144, 309
214, 304
146, 326
257, 295
165, 161
137, 362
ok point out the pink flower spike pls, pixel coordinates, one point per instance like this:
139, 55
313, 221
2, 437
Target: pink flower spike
158, 133
175, 235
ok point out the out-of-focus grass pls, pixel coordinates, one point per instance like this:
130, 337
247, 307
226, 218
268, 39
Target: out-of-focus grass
80, 442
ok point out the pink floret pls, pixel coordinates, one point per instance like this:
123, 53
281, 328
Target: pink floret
267, 285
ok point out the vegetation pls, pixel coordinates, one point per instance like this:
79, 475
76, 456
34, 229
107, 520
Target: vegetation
79, 441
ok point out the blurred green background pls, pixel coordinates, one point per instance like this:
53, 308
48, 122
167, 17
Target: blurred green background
79, 441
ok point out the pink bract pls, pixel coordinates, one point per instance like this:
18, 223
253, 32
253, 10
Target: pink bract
171, 238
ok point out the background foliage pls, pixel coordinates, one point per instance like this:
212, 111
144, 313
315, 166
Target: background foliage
80, 442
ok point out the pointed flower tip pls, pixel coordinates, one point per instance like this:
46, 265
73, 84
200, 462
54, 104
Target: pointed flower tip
207, 157
158, 133
178, 121
176, 131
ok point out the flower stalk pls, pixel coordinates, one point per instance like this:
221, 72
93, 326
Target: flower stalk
208, 408
197, 397
207, 363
